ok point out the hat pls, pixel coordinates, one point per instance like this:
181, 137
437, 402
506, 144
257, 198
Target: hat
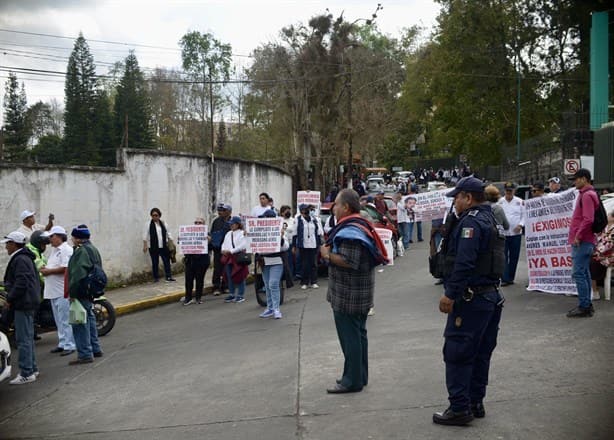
467, 184
381, 192
55, 230
303, 206
15, 237
269, 213
236, 220
509, 185
554, 179
81, 231
370, 199
582, 172
224, 207
25, 214
539, 185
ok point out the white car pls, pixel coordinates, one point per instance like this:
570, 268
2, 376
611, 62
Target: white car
5, 357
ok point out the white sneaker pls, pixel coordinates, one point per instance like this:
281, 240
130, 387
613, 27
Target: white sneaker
192, 301
216, 293
315, 286
277, 314
304, 287
595, 296
20, 380
36, 373
371, 312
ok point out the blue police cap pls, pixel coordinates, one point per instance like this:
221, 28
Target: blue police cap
467, 184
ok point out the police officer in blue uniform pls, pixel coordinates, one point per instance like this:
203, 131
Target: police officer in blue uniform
473, 264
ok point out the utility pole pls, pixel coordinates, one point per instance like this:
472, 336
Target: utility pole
211, 114
351, 129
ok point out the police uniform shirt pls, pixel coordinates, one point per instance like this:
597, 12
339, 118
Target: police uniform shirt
470, 236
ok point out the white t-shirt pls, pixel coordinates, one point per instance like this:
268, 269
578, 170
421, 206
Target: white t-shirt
28, 231
514, 212
146, 236
402, 213
54, 284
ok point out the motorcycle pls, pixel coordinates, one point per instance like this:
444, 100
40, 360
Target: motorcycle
45, 322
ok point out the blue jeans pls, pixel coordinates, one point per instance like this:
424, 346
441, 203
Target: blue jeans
512, 252
240, 287
86, 335
581, 260
271, 275
405, 233
60, 307
24, 333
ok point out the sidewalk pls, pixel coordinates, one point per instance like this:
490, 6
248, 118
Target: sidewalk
137, 297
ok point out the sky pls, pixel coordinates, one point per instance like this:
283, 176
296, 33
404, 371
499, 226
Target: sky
244, 24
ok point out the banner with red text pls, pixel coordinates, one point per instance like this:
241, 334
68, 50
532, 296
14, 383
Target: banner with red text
192, 239
263, 234
308, 198
547, 222
430, 205
386, 236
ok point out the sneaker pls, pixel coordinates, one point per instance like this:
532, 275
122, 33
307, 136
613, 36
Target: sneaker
229, 299
595, 296
20, 380
239, 300
200, 301
267, 313
315, 286
277, 314
170, 280
216, 292
36, 373
304, 287
192, 301
371, 312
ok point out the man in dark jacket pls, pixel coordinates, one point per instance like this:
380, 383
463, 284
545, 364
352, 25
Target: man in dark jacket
218, 230
23, 287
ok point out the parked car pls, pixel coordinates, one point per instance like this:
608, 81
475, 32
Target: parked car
402, 176
5, 357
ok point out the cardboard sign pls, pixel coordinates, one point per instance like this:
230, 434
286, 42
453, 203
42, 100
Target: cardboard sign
386, 236
193, 239
309, 198
430, 205
264, 234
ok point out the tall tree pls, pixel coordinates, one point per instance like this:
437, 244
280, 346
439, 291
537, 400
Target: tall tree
80, 99
16, 131
132, 115
207, 60
221, 137
103, 130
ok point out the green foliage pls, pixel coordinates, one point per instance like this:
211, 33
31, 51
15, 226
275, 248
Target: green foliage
222, 137
103, 133
16, 129
132, 108
49, 150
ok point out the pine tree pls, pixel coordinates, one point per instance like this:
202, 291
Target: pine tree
221, 137
16, 131
132, 108
80, 98
104, 138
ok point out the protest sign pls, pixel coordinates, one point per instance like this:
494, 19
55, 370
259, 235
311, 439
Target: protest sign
309, 198
192, 239
547, 222
386, 236
264, 236
430, 205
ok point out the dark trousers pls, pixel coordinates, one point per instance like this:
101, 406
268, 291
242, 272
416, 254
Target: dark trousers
352, 333
512, 253
195, 268
470, 338
218, 271
309, 271
155, 255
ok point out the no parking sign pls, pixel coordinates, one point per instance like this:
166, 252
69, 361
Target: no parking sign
571, 166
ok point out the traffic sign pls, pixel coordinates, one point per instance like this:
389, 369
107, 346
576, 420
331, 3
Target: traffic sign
571, 166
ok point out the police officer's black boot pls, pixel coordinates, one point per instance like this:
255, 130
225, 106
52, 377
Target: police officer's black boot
449, 417
477, 409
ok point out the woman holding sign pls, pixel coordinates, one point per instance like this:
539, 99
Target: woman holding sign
196, 265
272, 271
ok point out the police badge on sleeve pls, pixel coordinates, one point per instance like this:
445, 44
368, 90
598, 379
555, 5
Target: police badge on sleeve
467, 233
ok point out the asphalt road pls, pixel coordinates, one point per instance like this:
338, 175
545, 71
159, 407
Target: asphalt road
217, 371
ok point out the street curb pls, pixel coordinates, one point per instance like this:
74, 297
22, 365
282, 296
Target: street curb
159, 300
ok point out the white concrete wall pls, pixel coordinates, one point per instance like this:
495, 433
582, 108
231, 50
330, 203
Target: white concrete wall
115, 203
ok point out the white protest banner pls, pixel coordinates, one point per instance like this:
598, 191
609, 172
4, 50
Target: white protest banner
386, 236
547, 222
264, 236
431, 205
309, 198
192, 239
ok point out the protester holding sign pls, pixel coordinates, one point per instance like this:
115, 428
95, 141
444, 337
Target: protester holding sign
193, 245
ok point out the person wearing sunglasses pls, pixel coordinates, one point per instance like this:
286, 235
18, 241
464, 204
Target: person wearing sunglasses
538, 190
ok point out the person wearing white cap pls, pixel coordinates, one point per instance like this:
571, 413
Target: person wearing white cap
54, 272
29, 225
23, 296
554, 183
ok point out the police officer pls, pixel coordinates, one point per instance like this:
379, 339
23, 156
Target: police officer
474, 263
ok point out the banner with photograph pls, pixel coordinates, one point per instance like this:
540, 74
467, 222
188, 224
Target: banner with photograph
264, 234
386, 236
192, 239
430, 205
547, 222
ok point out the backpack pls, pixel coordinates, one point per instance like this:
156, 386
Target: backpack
96, 280
600, 221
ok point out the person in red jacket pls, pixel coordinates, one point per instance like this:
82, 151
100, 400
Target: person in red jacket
582, 241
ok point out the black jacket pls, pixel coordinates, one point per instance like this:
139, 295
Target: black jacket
21, 281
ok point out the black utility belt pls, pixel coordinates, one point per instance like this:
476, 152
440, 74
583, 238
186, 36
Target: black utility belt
470, 292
